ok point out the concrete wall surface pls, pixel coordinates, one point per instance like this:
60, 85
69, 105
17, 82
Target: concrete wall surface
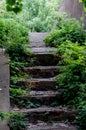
4, 86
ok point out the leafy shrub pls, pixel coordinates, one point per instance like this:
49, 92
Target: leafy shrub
41, 14
67, 29
36, 15
81, 118
2, 31
73, 72
72, 78
17, 121
16, 51
14, 5
11, 32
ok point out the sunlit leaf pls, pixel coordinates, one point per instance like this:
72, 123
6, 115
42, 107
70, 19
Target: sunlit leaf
80, 0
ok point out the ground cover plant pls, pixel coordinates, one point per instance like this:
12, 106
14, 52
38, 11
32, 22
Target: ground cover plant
17, 121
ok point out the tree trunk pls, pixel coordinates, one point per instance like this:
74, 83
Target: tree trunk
74, 9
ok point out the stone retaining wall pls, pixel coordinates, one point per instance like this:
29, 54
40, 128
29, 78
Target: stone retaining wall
4, 86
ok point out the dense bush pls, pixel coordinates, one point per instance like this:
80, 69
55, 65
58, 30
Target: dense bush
81, 118
73, 72
72, 78
36, 15
11, 32
2, 30
67, 29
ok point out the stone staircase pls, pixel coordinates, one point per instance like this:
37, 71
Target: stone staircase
41, 104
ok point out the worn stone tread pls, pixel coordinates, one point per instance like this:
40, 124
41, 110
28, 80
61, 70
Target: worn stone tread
42, 71
47, 68
46, 113
53, 126
38, 82
43, 50
48, 109
36, 39
41, 79
40, 97
34, 81
40, 94
44, 58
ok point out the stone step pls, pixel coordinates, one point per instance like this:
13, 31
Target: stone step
49, 114
38, 98
51, 126
43, 50
41, 94
43, 57
38, 83
36, 39
42, 71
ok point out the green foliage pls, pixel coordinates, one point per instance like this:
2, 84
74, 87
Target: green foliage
2, 115
11, 32
15, 92
42, 14
16, 51
72, 78
2, 31
39, 16
67, 29
17, 121
73, 73
14, 5
84, 3
81, 118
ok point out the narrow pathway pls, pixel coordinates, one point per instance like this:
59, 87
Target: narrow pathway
42, 103
4, 87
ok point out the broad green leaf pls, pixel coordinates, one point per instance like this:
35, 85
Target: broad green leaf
84, 8
80, 0
11, 2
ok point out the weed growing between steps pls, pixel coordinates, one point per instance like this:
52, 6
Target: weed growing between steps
81, 118
17, 121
